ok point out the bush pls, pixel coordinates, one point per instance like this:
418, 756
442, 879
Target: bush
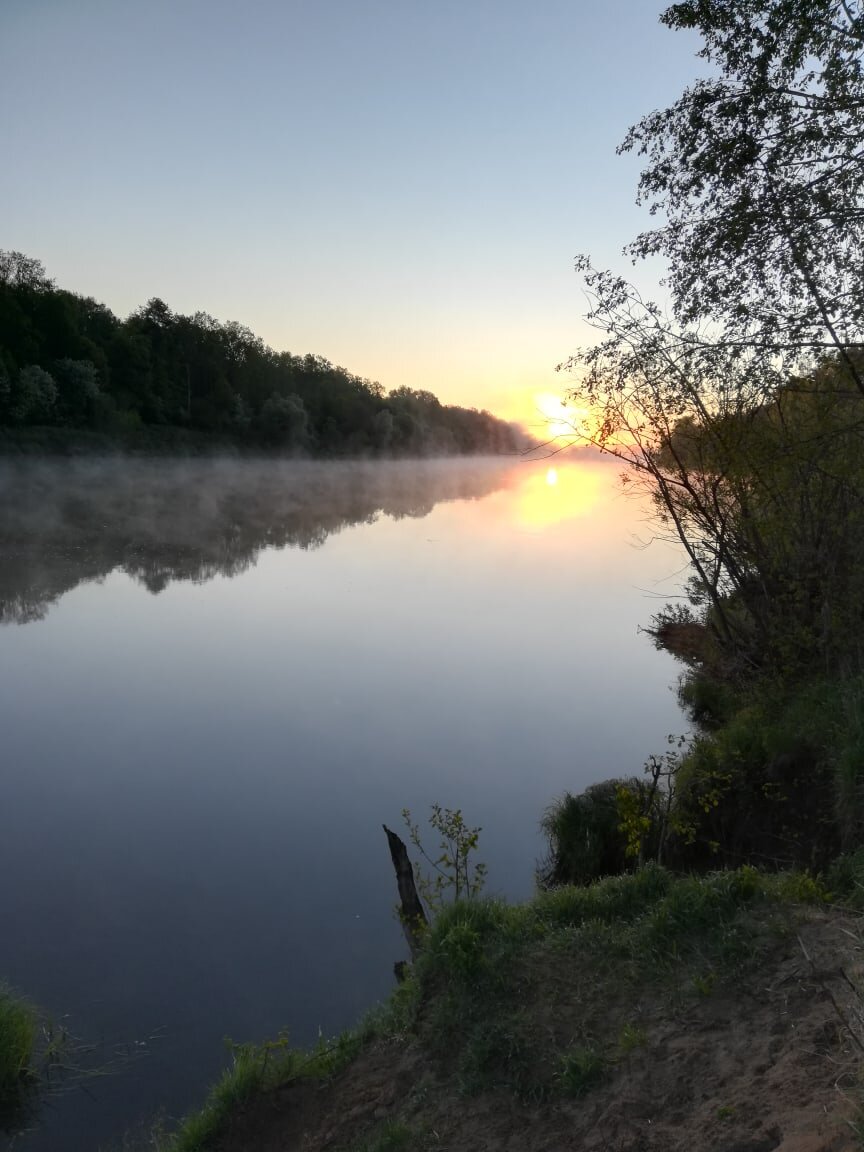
587, 836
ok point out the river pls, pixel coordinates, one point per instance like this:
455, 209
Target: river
217, 680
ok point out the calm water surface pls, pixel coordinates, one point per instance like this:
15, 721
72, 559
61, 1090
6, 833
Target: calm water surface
218, 680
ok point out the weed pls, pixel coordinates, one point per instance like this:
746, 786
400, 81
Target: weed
704, 985
631, 1036
581, 1067
497, 1053
391, 1137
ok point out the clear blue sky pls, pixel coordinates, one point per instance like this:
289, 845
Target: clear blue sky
400, 186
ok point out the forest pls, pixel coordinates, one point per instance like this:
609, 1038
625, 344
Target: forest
73, 374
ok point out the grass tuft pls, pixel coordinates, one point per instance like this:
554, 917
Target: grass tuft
18, 1031
580, 1069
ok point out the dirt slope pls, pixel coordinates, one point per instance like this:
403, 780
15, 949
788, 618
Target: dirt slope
770, 1065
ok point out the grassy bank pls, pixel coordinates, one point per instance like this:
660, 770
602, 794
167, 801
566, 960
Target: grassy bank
18, 1032
552, 1003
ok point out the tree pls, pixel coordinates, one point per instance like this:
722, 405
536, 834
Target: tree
283, 421
159, 367
20, 271
78, 390
34, 396
742, 410
757, 174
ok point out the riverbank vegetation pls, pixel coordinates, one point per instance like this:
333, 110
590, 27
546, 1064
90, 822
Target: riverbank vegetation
75, 378
577, 1017
740, 410
19, 1026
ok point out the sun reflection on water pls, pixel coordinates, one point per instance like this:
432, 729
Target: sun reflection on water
565, 492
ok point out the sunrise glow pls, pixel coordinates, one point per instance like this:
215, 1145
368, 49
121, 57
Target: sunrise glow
566, 492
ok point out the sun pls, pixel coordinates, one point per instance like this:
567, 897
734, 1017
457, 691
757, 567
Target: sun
552, 477
555, 418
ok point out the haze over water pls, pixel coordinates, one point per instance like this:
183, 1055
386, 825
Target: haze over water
218, 680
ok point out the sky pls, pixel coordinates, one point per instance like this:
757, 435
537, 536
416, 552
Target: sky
398, 186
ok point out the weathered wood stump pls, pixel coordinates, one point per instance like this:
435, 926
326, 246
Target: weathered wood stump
411, 912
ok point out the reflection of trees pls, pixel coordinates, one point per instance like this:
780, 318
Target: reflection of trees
69, 523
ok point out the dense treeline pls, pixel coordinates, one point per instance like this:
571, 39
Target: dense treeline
67, 362
741, 411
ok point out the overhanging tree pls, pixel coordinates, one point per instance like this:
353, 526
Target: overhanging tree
742, 406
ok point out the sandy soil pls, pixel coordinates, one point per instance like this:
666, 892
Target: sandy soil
773, 1065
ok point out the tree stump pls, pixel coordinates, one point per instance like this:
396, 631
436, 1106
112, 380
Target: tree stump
411, 913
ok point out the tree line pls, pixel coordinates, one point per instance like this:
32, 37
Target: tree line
68, 363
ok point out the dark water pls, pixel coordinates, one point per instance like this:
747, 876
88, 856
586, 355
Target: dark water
216, 682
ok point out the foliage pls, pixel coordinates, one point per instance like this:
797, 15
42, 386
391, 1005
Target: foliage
630, 1038
67, 363
756, 174
391, 1137
591, 835
613, 826
779, 783
846, 879
18, 1029
453, 876
581, 1067
255, 1068
741, 413
485, 999
482, 997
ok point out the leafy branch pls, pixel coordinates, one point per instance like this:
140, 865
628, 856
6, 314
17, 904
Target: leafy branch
451, 874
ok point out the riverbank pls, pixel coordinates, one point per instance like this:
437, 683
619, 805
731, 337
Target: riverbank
644, 1012
18, 1032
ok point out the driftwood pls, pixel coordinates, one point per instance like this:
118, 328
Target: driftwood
411, 912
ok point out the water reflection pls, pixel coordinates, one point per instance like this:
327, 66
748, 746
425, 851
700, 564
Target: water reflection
68, 523
176, 762
553, 495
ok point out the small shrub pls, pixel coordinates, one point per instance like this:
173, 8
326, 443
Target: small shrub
454, 876
585, 837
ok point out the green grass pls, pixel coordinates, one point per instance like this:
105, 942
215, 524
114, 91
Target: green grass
391, 1137
580, 1069
481, 998
630, 1038
256, 1068
532, 999
18, 1031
